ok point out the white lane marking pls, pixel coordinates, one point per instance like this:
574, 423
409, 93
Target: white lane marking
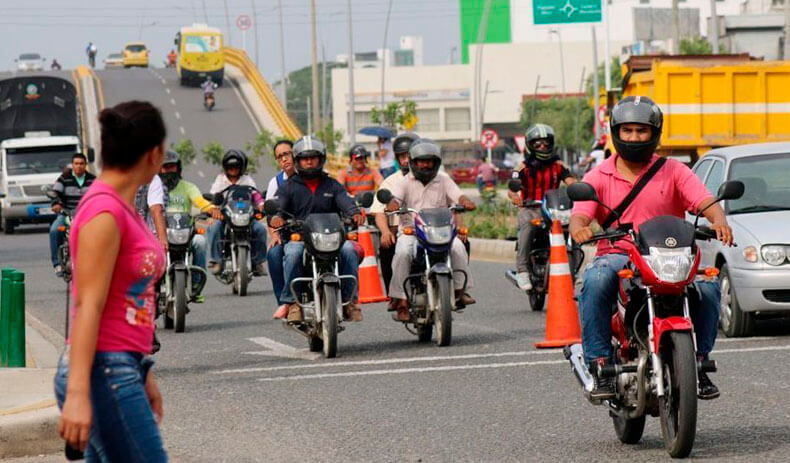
436, 358
172, 101
277, 349
201, 174
750, 349
178, 115
164, 82
756, 338
167, 90
413, 370
181, 129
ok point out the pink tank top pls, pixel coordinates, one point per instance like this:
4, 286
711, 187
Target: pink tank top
127, 322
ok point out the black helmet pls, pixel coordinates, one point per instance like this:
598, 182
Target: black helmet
309, 146
636, 110
357, 151
540, 132
235, 158
403, 142
171, 157
424, 148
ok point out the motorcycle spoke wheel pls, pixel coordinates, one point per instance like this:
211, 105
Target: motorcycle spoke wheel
180, 302
443, 315
329, 303
678, 407
242, 275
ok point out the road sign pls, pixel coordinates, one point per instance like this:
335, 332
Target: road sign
566, 11
243, 22
602, 114
489, 139
521, 142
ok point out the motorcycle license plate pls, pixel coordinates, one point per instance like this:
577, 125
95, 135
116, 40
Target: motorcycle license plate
45, 211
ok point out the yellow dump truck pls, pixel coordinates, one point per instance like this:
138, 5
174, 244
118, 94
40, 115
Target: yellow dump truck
713, 101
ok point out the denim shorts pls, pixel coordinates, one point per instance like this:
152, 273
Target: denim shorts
124, 428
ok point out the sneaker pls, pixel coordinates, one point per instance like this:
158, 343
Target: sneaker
281, 312
604, 387
199, 299
295, 314
214, 268
707, 390
59, 271
353, 313
260, 269
523, 281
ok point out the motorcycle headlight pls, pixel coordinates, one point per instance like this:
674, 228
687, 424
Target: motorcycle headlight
670, 265
178, 235
774, 254
326, 242
240, 219
563, 215
438, 235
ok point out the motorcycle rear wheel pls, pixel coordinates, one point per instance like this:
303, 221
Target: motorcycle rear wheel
242, 275
678, 407
536, 300
443, 316
180, 303
629, 431
329, 302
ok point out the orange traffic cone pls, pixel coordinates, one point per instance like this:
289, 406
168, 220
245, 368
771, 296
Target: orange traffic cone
562, 316
370, 287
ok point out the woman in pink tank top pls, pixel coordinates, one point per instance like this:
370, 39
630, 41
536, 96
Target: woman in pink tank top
110, 402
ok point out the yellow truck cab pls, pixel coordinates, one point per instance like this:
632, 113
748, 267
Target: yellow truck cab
135, 54
200, 54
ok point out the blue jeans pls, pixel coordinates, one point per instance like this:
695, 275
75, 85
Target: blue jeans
56, 238
258, 244
599, 294
124, 428
292, 264
276, 272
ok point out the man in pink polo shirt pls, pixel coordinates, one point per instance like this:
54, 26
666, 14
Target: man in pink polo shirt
636, 124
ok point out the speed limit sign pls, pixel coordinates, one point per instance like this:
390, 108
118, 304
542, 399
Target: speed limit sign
243, 22
488, 139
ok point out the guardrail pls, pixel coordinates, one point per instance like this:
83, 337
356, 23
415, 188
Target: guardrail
239, 59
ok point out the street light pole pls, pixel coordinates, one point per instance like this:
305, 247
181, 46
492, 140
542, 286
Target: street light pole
314, 53
676, 27
283, 76
562, 60
713, 28
255, 23
352, 130
596, 85
481, 35
607, 59
787, 30
227, 23
384, 53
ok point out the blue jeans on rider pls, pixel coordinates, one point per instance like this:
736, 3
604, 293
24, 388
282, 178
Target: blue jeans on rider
124, 427
599, 294
276, 272
293, 268
258, 244
56, 238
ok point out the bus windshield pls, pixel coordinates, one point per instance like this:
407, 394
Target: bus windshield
202, 44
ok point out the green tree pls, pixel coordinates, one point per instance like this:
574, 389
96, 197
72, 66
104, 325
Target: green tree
213, 152
330, 137
258, 148
186, 151
616, 76
300, 86
396, 116
571, 119
695, 46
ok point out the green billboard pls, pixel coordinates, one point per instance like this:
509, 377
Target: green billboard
497, 31
566, 11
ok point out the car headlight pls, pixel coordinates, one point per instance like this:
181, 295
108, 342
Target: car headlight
563, 215
178, 235
670, 265
774, 254
240, 219
326, 242
439, 235
15, 191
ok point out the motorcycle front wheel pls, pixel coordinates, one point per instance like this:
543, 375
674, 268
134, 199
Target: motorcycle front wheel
329, 303
443, 315
242, 273
629, 431
536, 300
180, 303
678, 407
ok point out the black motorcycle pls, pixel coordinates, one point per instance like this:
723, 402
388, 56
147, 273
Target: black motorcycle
64, 255
178, 286
556, 205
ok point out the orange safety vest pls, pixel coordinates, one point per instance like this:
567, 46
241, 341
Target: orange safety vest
360, 182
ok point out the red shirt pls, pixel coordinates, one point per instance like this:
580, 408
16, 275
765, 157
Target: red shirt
672, 191
537, 178
312, 183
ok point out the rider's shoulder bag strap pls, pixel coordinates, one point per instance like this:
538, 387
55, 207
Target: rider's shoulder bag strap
621, 208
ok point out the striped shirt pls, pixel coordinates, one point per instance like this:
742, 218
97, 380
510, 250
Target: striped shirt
537, 178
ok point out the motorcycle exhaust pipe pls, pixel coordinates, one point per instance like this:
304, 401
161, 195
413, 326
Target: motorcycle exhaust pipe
575, 356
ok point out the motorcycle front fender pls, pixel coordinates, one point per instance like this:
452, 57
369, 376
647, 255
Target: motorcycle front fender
663, 326
440, 268
328, 279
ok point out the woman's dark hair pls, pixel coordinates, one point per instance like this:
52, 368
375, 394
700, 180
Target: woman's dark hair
128, 131
282, 141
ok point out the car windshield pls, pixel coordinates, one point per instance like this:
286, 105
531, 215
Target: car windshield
135, 48
767, 185
30, 56
39, 160
114, 56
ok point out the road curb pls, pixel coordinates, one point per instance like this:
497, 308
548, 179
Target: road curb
30, 433
503, 251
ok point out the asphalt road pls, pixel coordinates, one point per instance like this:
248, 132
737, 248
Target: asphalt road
238, 386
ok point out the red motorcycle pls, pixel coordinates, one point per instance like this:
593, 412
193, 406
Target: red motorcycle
655, 363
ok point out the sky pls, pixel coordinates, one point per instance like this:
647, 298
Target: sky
61, 29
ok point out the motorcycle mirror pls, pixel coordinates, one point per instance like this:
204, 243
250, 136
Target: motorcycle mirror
271, 206
384, 196
514, 185
364, 199
91, 155
732, 189
581, 191
209, 197
49, 192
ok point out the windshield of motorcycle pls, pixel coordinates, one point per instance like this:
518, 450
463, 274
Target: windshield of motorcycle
435, 217
557, 205
324, 233
178, 220
239, 198
435, 226
665, 231
323, 223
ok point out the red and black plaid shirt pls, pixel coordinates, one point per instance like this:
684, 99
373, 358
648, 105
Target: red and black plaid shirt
537, 178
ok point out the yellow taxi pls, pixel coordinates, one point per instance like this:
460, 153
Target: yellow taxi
135, 54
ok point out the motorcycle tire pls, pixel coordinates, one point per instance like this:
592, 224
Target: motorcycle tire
443, 316
425, 332
315, 343
629, 431
329, 303
678, 407
242, 275
180, 303
537, 299
168, 320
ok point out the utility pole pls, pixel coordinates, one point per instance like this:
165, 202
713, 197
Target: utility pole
676, 28
596, 85
562, 60
607, 59
309, 118
787, 30
314, 53
227, 23
713, 28
283, 76
481, 35
352, 123
384, 52
324, 102
255, 23
205, 13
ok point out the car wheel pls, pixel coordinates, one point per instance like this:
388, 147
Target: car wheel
734, 322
